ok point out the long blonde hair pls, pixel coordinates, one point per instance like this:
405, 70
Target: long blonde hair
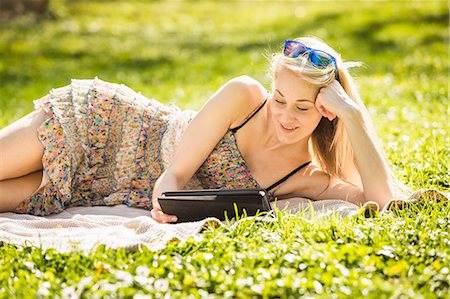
329, 144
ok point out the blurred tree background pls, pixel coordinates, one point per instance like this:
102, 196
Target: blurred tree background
14, 8
182, 51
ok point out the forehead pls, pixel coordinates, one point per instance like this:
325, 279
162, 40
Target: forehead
293, 86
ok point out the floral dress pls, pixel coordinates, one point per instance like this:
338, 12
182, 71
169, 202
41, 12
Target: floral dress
105, 144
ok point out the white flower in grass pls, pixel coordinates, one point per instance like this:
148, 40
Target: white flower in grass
124, 276
30, 266
110, 287
290, 258
280, 283
242, 282
203, 293
142, 296
365, 281
161, 285
84, 282
344, 271
302, 266
346, 290
69, 293
43, 289
264, 274
257, 288
336, 281
142, 280
358, 232
208, 256
405, 137
318, 287
386, 251
296, 283
142, 271
38, 273
228, 294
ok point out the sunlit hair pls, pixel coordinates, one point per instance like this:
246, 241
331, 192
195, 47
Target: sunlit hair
329, 144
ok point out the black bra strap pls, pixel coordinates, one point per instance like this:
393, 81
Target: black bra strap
288, 176
234, 130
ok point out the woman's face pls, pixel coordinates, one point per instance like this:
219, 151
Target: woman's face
292, 107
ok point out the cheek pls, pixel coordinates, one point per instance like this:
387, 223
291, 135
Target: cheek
312, 120
314, 116
275, 112
317, 117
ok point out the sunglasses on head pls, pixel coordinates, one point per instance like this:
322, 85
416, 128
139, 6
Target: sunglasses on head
318, 58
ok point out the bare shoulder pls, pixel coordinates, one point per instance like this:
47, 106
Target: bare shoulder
316, 184
233, 98
249, 93
247, 81
223, 109
251, 87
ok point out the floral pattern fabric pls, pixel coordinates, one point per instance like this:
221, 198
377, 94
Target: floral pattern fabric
105, 144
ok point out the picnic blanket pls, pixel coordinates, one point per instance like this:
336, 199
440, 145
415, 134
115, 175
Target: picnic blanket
83, 228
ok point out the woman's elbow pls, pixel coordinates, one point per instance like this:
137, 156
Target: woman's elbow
381, 197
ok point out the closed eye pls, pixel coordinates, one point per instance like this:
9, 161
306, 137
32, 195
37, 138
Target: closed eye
302, 109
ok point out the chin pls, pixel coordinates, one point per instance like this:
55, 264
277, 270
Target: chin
290, 138
290, 135
288, 131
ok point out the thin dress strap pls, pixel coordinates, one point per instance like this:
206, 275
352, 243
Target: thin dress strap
288, 176
234, 130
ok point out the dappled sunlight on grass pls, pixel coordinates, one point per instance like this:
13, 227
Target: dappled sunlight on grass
403, 252
181, 52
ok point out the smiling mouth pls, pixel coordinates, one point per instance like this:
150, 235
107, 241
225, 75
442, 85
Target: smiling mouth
288, 129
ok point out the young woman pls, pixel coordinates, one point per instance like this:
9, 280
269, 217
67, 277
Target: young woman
99, 143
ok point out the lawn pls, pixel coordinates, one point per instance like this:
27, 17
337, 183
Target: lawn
181, 52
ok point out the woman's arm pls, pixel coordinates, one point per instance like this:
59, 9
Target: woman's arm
319, 185
229, 104
371, 165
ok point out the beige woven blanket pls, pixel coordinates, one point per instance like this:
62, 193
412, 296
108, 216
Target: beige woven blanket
83, 228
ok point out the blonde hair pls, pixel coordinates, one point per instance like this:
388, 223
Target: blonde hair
329, 144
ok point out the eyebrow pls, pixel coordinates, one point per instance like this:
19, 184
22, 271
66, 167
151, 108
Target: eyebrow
298, 100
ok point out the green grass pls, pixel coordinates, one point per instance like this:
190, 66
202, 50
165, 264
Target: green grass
403, 254
181, 52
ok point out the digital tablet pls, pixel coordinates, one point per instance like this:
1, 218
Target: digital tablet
194, 205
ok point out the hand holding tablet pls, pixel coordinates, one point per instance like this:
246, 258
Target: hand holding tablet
194, 205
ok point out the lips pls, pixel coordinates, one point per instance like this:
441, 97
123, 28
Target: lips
288, 129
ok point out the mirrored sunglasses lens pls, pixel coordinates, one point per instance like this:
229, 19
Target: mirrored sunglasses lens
320, 59
293, 49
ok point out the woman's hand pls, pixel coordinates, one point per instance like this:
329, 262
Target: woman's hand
332, 101
159, 215
166, 181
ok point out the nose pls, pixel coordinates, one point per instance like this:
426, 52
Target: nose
287, 117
